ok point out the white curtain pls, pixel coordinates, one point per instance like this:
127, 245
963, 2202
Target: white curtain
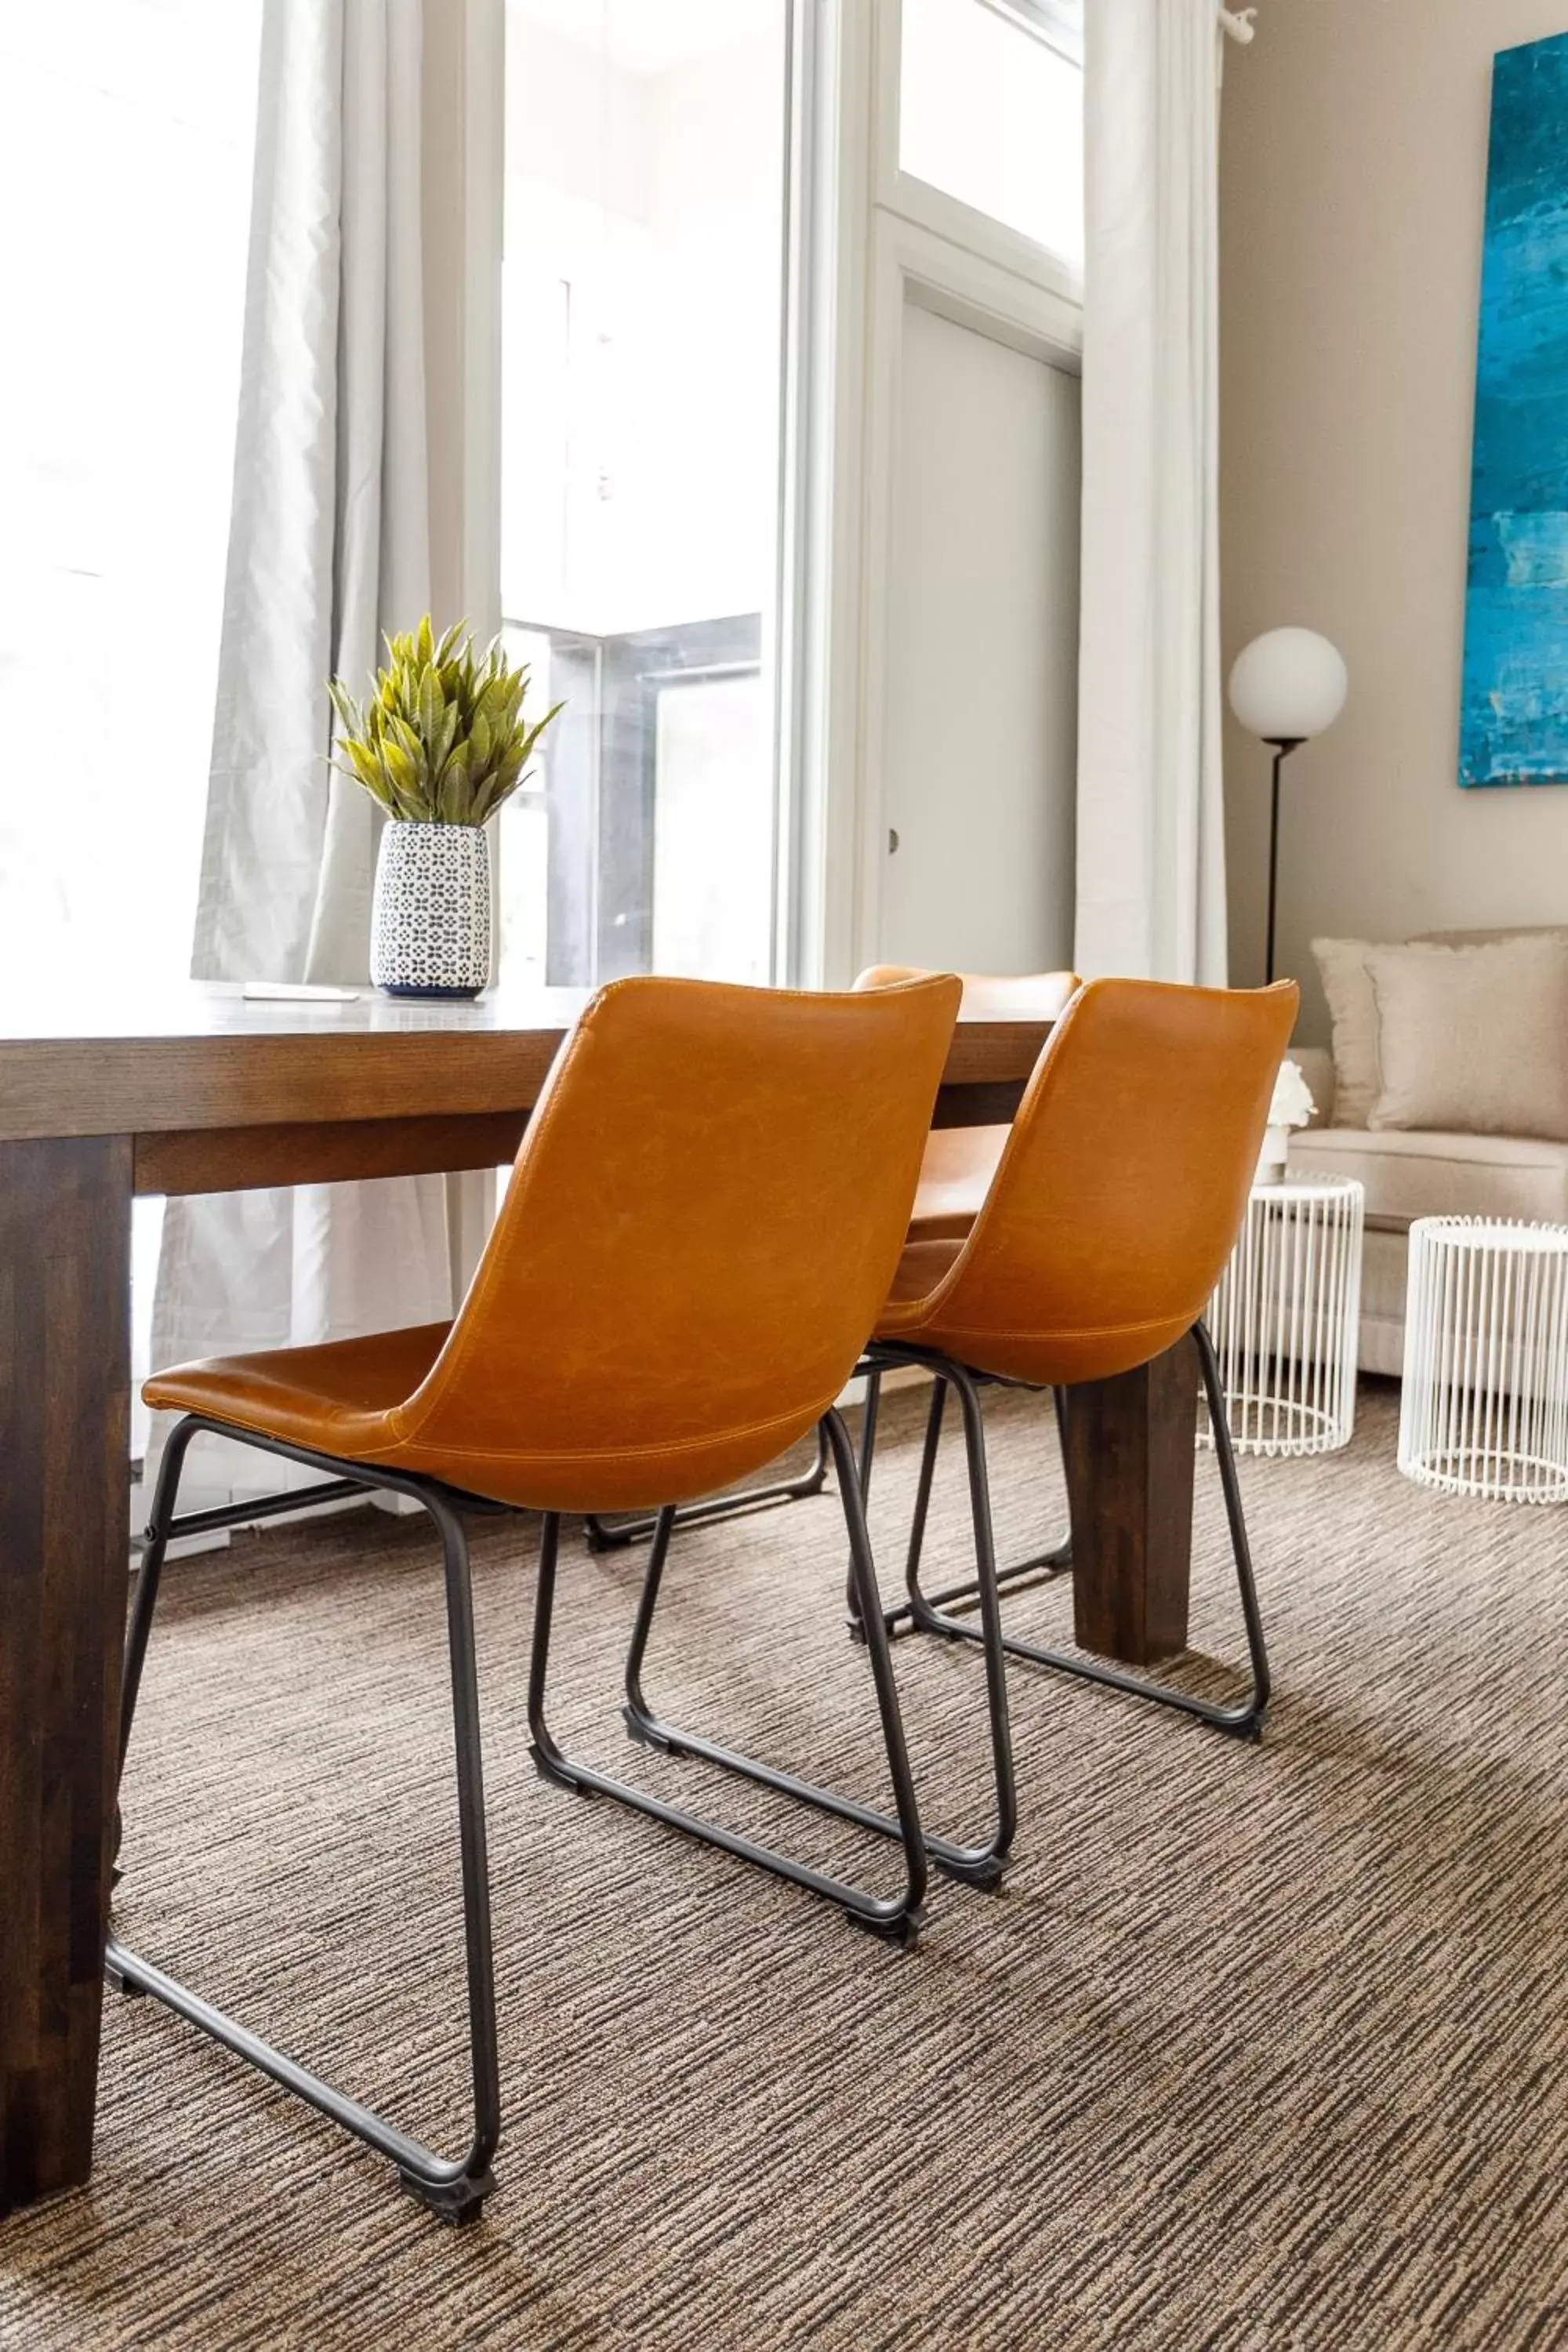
329, 546
1151, 845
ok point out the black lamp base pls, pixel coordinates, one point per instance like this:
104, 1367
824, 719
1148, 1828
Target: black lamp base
1282, 746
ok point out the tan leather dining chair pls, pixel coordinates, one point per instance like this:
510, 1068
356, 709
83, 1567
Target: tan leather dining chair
1116, 1201
704, 1219
955, 1174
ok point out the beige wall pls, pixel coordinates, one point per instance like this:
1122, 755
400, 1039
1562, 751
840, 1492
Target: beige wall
1351, 187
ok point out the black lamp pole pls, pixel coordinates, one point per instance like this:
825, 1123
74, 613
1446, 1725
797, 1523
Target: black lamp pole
1283, 747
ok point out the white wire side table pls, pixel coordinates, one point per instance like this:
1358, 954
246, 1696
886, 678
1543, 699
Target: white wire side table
1284, 1319
1484, 1409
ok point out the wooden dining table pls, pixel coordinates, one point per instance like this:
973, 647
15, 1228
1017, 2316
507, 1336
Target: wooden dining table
203, 1090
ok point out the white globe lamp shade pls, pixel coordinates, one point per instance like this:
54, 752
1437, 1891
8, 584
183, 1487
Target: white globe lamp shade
1288, 685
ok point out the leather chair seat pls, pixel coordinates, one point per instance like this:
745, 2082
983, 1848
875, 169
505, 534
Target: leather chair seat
922, 1271
362, 1401
339, 1398
1057, 1357
955, 1176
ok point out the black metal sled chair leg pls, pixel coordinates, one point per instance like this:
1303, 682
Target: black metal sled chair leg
454, 2189
606, 1535
897, 1916
973, 1865
866, 1458
149, 1577
985, 1583
1243, 1721
1053, 1561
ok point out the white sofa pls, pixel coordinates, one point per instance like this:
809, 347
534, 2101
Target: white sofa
1410, 1174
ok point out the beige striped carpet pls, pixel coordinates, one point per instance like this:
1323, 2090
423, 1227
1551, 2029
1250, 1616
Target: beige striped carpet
1261, 2047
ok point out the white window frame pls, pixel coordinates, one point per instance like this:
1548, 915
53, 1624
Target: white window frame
929, 207
865, 239
477, 182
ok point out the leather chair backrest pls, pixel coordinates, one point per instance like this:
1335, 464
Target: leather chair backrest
1009, 996
704, 1218
1124, 1182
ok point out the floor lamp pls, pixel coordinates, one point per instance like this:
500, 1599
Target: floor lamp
1286, 686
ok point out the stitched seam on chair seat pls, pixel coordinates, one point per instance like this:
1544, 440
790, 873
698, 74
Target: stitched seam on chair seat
1080, 1331
660, 1452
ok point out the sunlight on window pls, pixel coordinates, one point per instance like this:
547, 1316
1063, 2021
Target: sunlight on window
640, 480
126, 130
990, 113
126, 137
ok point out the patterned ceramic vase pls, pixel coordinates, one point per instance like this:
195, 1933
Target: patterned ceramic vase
430, 924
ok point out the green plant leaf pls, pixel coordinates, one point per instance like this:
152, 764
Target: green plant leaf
362, 761
444, 737
430, 706
453, 802
349, 712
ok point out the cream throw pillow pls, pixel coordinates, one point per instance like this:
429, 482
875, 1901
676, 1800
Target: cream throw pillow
1473, 1041
1353, 1008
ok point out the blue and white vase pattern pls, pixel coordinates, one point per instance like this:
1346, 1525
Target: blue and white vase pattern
430, 921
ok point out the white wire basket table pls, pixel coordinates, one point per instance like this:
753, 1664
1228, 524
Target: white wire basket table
1284, 1319
1484, 1409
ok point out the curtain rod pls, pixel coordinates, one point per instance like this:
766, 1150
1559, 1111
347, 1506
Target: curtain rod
1237, 21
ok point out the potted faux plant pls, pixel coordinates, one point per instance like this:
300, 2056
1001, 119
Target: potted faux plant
442, 742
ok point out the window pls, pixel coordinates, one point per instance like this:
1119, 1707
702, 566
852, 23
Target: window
126, 137
642, 330
1011, 145
126, 143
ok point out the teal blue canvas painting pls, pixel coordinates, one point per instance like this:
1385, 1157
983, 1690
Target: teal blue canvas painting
1514, 715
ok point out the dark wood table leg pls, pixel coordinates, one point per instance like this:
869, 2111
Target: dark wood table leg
1129, 1454
65, 1360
